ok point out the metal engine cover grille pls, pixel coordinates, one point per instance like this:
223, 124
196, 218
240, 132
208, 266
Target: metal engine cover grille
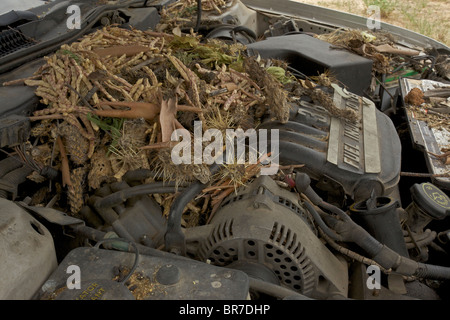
274, 239
12, 40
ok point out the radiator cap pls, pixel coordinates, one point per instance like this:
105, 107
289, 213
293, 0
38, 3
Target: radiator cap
431, 200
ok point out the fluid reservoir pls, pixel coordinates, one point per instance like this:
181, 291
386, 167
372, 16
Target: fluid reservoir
27, 251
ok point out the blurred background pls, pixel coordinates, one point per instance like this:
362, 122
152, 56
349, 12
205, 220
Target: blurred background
428, 17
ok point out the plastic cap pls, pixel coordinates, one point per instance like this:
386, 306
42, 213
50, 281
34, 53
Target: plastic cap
431, 200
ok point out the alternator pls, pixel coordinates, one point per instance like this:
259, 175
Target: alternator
265, 231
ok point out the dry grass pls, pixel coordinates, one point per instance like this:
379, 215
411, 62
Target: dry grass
427, 17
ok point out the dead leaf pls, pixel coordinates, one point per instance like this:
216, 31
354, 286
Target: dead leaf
167, 118
387, 48
135, 110
176, 31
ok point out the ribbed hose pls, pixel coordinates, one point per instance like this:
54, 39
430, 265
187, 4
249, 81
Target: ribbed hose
363, 239
429, 271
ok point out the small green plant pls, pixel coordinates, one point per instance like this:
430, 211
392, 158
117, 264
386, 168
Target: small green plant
112, 126
386, 6
71, 54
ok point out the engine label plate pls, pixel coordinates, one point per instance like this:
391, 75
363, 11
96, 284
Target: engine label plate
354, 145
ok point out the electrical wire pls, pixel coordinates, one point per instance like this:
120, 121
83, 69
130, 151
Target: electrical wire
299, 74
136, 250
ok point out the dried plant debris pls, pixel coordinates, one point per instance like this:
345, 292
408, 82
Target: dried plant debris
415, 97
76, 145
322, 98
433, 119
276, 97
375, 45
100, 170
181, 13
111, 101
75, 192
430, 104
140, 285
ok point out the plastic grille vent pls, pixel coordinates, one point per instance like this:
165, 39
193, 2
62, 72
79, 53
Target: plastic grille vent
296, 209
290, 262
12, 40
220, 255
282, 252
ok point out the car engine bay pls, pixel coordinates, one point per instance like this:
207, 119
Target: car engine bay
357, 207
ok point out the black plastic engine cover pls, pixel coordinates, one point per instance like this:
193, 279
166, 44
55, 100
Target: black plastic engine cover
312, 56
361, 156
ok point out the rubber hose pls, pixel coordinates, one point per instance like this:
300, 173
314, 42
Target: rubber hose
248, 31
388, 258
365, 240
322, 225
97, 235
381, 254
275, 290
109, 215
139, 174
302, 182
432, 272
335, 210
174, 232
121, 196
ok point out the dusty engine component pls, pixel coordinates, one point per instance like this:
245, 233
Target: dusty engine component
232, 33
128, 211
265, 231
429, 204
31, 252
109, 274
380, 217
429, 125
356, 156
